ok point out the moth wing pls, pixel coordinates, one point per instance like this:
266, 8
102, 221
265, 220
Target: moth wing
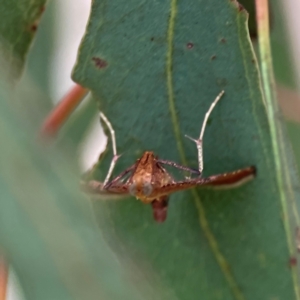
231, 179
178, 186
224, 180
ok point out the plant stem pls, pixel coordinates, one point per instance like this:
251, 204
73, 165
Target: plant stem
276, 130
3, 278
62, 111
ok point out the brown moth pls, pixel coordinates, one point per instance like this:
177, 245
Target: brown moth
149, 181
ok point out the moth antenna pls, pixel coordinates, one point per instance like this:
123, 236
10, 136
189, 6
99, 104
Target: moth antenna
114, 146
199, 141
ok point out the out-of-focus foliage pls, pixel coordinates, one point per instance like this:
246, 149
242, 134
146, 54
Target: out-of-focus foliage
47, 229
19, 22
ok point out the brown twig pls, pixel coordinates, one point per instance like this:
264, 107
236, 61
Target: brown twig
62, 111
3, 278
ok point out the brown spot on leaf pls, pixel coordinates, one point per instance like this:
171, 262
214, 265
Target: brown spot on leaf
239, 6
35, 24
189, 45
33, 27
99, 62
223, 40
293, 261
42, 9
213, 57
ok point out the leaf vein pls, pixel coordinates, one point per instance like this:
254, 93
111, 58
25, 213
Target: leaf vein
220, 258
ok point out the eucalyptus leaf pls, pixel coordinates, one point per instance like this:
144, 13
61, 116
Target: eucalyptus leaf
19, 22
154, 68
294, 134
47, 230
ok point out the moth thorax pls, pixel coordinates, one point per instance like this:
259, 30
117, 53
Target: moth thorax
144, 189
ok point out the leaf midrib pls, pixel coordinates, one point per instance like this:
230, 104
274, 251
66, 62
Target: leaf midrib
203, 222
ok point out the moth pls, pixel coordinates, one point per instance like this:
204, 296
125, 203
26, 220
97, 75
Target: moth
149, 181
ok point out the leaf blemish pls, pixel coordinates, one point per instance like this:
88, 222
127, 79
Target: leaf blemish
189, 45
240, 7
223, 40
293, 261
213, 57
99, 62
42, 9
33, 27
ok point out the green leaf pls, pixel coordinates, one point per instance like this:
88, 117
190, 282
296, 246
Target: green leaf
281, 48
19, 22
40, 57
294, 134
155, 67
47, 231
249, 5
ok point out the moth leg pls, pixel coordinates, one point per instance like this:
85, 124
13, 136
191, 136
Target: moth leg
115, 180
113, 187
199, 141
175, 165
112, 190
114, 146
